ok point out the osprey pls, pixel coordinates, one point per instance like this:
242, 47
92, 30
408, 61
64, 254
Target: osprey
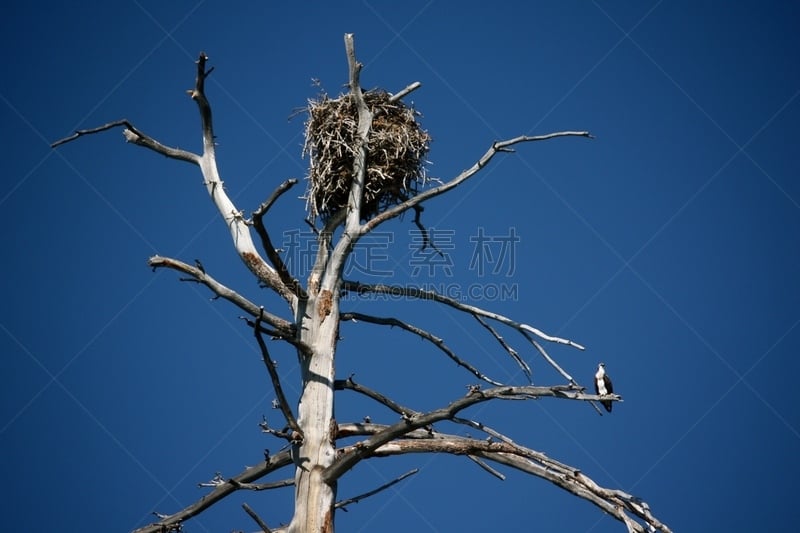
603, 386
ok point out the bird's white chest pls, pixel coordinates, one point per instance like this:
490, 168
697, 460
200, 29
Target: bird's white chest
600, 379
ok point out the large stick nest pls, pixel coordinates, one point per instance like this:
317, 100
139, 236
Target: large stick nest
396, 151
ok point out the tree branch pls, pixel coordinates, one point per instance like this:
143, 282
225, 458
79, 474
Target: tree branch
276, 384
258, 223
135, 136
344, 503
284, 327
334, 264
239, 230
436, 341
233, 217
172, 522
350, 384
362, 134
511, 351
256, 518
424, 294
364, 449
405, 92
498, 146
613, 502
478, 313
257, 487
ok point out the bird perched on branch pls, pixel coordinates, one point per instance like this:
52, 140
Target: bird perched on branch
603, 385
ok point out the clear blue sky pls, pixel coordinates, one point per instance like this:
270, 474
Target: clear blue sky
668, 246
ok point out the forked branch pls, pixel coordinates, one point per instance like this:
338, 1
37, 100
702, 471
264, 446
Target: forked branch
477, 312
436, 341
239, 230
618, 504
424, 294
288, 280
173, 522
498, 146
135, 136
349, 459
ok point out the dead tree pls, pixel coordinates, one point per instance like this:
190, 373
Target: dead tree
367, 154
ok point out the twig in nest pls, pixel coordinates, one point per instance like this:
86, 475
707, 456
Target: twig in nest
397, 146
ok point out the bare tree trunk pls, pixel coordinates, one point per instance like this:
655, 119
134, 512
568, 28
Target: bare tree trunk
314, 332
314, 498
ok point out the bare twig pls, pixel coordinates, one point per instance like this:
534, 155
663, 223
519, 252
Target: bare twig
233, 217
264, 486
486, 467
350, 384
436, 341
173, 521
498, 146
424, 294
133, 135
477, 312
239, 230
511, 351
526, 460
258, 223
344, 503
284, 327
617, 503
348, 460
405, 92
256, 518
426, 239
276, 384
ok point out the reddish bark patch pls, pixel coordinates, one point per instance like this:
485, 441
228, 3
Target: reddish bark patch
255, 264
325, 304
327, 526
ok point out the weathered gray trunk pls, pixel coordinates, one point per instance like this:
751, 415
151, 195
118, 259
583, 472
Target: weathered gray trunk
318, 325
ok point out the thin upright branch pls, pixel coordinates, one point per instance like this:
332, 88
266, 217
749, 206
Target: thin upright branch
198, 94
207, 162
334, 263
234, 218
362, 136
276, 383
274, 257
436, 341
